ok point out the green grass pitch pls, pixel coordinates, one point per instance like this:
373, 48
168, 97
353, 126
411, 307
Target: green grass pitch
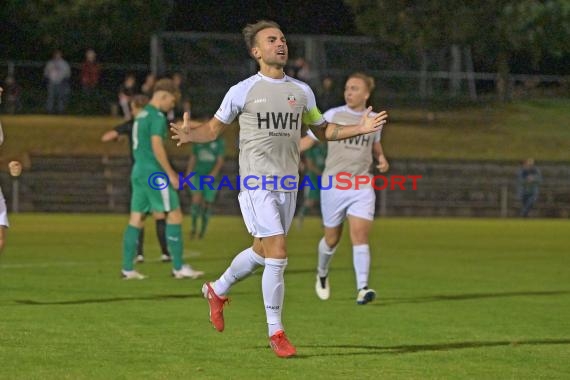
457, 299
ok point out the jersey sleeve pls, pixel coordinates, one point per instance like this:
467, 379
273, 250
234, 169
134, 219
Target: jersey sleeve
231, 105
329, 115
312, 135
377, 136
312, 115
125, 129
158, 126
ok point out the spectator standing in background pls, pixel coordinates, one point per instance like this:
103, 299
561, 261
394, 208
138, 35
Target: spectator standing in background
89, 77
12, 95
183, 104
57, 72
327, 96
148, 84
529, 179
127, 90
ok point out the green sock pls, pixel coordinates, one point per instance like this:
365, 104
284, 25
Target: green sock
130, 241
195, 213
303, 211
206, 213
175, 246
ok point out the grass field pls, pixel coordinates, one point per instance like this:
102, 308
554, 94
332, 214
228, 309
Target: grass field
488, 132
458, 299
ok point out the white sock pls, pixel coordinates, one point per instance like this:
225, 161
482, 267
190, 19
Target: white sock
244, 264
361, 261
325, 256
273, 288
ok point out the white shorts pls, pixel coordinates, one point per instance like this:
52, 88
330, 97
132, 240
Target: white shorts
267, 213
3, 211
336, 204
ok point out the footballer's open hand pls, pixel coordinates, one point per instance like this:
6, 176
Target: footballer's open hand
181, 130
374, 123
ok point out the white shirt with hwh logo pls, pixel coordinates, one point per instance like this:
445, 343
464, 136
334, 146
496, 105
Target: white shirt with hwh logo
352, 155
271, 114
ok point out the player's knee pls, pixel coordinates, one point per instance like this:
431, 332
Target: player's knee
332, 240
359, 237
258, 247
174, 217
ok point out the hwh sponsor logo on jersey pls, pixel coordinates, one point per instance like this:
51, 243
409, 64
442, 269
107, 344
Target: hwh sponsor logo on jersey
278, 120
363, 140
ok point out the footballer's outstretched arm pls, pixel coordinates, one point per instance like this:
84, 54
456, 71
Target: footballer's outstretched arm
368, 124
205, 132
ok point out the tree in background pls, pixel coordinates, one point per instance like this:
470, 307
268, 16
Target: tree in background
122, 29
496, 29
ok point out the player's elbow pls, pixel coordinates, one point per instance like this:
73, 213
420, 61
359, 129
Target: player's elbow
329, 134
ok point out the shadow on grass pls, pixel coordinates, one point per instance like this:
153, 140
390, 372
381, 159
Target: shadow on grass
462, 297
162, 297
348, 349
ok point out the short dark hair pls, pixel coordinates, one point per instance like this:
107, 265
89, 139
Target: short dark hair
250, 32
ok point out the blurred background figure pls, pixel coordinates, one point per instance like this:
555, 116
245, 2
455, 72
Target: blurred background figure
206, 159
89, 78
148, 84
12, 94
183, 103
127, 90
315, 158
529, 179
57, 72
301, 69
327, 96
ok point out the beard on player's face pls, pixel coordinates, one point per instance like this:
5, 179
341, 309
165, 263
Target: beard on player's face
275, 56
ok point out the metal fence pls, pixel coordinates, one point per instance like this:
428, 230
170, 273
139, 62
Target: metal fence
211, 62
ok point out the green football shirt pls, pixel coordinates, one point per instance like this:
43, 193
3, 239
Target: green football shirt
207, 154
149, 122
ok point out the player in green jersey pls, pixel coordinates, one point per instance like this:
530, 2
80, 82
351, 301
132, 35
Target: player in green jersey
154, 182
314, 164
206, 160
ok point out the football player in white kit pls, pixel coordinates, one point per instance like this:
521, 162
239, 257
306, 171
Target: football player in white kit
357, 205
15, 170
271, 108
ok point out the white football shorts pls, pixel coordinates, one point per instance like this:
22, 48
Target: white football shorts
336, 204
3, 211
267, 213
